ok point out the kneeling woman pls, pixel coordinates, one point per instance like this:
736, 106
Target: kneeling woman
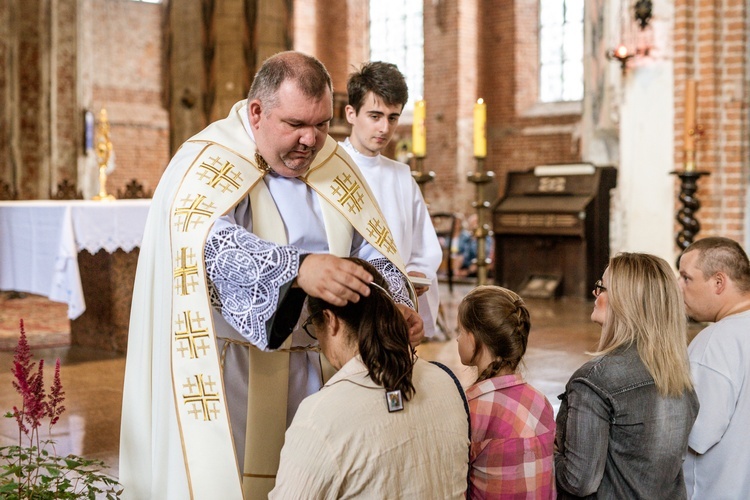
623, 425
387, 424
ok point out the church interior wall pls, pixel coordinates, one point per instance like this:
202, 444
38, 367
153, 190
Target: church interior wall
442, 95
60, 58
6, 92
127, 79
333, 45
64, 142
522, 132
712, 47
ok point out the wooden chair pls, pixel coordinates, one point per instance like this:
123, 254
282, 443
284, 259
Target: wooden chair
444, 223
133, 189
66, 190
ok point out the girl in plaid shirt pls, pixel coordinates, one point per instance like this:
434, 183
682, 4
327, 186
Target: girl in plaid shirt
512, 423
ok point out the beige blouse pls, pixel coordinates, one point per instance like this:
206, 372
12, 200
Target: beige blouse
343, 442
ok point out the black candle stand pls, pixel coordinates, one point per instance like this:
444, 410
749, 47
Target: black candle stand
690, 205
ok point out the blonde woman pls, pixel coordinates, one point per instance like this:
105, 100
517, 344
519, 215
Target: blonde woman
623, 425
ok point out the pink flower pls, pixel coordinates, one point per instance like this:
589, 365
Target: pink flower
34, 402
30, 385
21, 362
56, 397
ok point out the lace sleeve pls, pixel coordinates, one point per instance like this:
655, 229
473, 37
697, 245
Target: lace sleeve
245, 275
396, 281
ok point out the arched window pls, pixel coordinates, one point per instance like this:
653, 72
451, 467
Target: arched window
397, 36
560, 50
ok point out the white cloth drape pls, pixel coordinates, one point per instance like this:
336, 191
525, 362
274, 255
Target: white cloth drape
40, 241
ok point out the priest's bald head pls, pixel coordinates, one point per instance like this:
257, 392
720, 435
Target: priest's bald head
290, 106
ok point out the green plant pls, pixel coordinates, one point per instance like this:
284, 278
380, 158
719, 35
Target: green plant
33, 471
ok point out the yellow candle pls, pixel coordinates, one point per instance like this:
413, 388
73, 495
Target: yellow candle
691, 90
418, 130
480, 129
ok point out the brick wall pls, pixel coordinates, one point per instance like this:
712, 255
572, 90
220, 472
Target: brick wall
473, 48
65, 127
32, 87
340, 35
61, 58
711, 47
521, 133
441, 93
127, 78
332, 40
6, 47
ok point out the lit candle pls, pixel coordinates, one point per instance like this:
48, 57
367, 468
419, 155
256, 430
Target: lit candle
480, 129
418, 130
691, 89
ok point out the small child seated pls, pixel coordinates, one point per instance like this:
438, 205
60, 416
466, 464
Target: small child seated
512, 423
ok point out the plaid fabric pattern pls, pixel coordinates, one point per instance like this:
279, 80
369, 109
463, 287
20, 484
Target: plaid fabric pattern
512, 438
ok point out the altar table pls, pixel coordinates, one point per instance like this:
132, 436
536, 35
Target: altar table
58, 249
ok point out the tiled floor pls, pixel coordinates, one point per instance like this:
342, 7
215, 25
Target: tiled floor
46, 322
561, 334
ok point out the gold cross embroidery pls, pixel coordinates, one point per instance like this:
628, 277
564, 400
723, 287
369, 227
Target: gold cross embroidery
348, 193
189, 329
382, 235
226, 177
191, 212
186, 272
203, 401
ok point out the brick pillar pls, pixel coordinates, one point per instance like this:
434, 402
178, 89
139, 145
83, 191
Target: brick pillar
186, 70
711, 47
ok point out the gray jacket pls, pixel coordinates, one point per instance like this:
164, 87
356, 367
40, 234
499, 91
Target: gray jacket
616, 436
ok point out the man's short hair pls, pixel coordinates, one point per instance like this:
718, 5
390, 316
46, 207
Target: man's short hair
310, 75
718, 254
382, 79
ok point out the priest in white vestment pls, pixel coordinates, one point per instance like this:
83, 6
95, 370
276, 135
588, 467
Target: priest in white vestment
250, 217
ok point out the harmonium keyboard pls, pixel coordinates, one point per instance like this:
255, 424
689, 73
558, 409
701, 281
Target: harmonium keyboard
552, 229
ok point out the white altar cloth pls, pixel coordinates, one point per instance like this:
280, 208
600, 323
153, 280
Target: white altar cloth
40, 241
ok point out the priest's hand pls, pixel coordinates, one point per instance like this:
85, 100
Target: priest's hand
333, 279
416, 325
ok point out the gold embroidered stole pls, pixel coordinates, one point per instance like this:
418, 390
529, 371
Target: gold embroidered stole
348, 193
215, 182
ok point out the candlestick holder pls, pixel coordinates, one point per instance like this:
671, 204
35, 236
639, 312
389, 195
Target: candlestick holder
690, 204
480, 179
103, 148
421, 177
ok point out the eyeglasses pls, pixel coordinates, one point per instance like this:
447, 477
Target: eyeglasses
598, 288
308, 327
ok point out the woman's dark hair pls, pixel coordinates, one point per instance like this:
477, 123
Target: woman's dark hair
380, 331
500, 322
